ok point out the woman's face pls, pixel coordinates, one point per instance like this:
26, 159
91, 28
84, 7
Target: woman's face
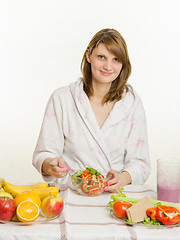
105, 67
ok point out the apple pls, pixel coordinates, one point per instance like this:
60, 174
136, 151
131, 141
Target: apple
7, 208
5, 194
52, 206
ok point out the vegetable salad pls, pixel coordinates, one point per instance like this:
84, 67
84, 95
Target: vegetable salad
89, 182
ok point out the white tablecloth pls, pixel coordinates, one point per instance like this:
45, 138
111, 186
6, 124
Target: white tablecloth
89, 218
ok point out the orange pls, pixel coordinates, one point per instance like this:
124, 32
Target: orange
28, 195
27, 211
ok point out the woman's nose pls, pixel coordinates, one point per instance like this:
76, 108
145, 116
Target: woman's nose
107, 66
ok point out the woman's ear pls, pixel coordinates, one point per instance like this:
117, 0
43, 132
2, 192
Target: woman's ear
88, 56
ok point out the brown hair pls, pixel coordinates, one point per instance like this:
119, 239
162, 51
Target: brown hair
116, 45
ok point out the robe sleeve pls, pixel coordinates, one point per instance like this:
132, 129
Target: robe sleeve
51, 139
137, 161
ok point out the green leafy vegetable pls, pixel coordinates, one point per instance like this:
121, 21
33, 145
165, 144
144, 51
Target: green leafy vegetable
149, 221
116, 197
127, 220
78, 173
94, 171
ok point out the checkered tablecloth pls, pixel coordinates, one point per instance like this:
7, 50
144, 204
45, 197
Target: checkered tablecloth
89, 218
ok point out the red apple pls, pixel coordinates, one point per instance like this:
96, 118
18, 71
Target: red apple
52, 206
7, 208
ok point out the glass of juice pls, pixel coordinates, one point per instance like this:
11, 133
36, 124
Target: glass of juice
168, 180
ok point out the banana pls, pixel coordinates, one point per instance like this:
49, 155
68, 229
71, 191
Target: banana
1, 189
14, 190
5, 194
1, 181
39, 185
47, 192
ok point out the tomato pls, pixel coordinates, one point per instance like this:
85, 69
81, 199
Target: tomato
119, 208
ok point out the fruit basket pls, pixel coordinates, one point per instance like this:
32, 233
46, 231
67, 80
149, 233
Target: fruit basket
88, 182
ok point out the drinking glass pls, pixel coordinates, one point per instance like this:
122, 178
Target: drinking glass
168, 180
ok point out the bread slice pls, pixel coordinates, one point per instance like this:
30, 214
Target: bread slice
137, 212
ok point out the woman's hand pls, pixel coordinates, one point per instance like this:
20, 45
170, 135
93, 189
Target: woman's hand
60, 169
117, 180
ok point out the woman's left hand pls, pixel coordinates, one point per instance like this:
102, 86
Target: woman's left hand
117, 180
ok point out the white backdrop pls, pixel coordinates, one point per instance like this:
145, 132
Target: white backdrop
41, 46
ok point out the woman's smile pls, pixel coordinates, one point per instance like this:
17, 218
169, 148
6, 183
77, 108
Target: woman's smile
105, 73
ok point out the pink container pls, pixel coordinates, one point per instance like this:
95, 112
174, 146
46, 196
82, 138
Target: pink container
168, 180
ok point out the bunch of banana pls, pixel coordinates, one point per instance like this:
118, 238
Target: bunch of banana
43, 189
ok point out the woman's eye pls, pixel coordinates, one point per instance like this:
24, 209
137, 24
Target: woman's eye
116, 59
100, 56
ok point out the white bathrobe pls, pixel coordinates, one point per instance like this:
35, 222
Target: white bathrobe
70, 130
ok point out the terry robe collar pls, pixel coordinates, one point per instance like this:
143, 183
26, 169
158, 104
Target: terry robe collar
120, 110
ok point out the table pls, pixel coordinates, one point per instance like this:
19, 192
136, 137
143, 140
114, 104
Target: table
89, 218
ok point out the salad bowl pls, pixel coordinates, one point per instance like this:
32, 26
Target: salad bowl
88, 182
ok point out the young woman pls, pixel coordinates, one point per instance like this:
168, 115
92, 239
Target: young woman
97, 121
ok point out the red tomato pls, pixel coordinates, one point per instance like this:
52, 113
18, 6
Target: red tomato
119, 208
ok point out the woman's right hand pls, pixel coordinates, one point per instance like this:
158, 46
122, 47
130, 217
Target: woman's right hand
59, 171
